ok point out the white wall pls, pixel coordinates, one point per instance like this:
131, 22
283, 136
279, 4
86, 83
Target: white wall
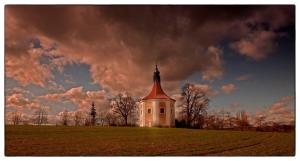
170, 117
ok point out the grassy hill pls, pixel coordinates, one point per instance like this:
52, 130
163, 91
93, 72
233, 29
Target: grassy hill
132, 141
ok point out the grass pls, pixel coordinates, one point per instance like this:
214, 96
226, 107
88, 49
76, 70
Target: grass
132, 141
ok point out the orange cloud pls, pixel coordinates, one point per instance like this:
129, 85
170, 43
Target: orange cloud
216, 69
20, 102
27, 69
119, 55
281, 112
205, 88
257, 42
17, 100
121, 50
243, 77
80, 98
257, 45
228, 88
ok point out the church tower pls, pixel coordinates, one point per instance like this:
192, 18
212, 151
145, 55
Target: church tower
157, 109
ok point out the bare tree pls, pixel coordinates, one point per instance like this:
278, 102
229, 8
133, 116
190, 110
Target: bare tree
16, 118
259, 121
110, 118
194, 103
229, 120
242, 120
226, 119
133, 117
87, 119
207, 121
41, 116
64, 117
101, 117
200, 121
221, 119
78, 118
122, 106
211, 121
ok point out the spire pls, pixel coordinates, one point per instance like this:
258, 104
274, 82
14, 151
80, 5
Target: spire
157, 92
156, 76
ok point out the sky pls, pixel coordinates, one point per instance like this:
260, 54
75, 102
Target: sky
65, 57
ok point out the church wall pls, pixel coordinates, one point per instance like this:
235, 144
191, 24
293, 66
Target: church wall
141, 114
162, 116
149, 114
155, 118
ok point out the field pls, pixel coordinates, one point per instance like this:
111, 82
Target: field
132, 141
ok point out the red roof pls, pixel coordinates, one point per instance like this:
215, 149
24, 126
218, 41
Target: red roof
157, 92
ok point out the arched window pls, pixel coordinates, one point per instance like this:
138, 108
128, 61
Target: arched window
162, 110
149, 110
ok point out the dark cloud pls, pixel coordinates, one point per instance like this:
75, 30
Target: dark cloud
122, 43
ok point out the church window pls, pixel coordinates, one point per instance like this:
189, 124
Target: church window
149, 110
162, 110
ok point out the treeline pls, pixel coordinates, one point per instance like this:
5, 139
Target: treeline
220, 120
39, 117
123, 111
240, 121
111, 117
193, 114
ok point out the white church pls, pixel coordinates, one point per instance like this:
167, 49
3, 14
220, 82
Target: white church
157, 109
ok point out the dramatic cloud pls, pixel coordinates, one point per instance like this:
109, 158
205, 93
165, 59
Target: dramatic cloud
80, 98
20, 102
228, 88
280, 106
259, 32
257, 45
205, 88
281, 112
19, 99
27, 69
215, 70
122, 44
26, 65
23, 53
17, 90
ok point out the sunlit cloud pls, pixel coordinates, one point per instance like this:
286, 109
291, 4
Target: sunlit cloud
80, 98
228, 88
121, 48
